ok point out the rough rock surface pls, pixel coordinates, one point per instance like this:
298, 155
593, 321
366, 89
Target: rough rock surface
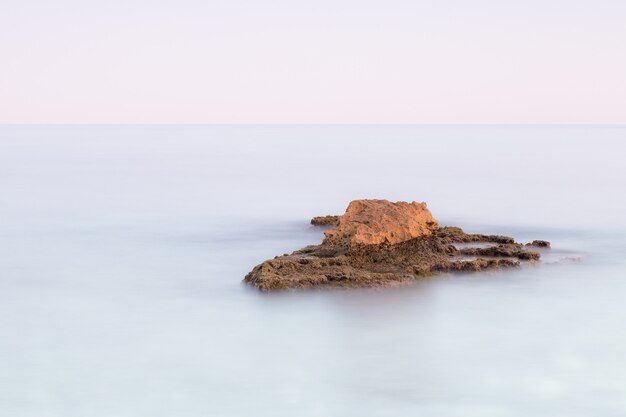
325, 220
372, 222
382, 244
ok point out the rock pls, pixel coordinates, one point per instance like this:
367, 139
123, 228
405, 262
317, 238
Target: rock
377, 243
539, 243
325, 220
372, 222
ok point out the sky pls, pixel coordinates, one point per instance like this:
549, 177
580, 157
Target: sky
322, 61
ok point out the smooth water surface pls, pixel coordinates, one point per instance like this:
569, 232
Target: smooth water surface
122, 250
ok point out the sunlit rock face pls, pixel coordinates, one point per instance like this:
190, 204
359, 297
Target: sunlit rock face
372, 222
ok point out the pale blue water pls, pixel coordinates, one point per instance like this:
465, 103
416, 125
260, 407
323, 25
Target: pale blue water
122, 249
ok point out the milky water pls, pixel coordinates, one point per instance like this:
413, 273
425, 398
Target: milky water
122, 250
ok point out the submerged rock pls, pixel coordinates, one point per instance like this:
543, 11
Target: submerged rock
377, 243
539, 243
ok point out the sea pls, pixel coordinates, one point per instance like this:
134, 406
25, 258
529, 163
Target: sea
123, 249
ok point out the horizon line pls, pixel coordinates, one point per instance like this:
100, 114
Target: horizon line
329, 124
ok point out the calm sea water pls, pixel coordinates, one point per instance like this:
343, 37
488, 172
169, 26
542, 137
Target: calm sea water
122, 250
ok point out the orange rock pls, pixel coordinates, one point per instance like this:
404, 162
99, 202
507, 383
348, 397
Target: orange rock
371, 222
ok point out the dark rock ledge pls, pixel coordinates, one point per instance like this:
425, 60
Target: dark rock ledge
377, 243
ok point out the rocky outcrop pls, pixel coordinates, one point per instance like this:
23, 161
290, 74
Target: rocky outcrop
372, 222
377, 243
325, 220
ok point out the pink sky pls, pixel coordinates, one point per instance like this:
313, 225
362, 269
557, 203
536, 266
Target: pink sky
324, 61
